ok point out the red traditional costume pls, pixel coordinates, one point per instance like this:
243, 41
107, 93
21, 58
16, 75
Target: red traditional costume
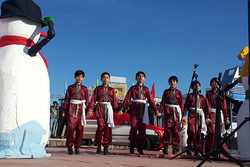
105, 97
139, 94
190, 107
172, 104
75, 99
210, 113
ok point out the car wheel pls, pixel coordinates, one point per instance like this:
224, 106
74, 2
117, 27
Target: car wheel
154, 141
86, 142
89, 142
146, 144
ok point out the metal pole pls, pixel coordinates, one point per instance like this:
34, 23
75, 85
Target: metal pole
248, 47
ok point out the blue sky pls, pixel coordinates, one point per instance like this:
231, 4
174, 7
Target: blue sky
160, 37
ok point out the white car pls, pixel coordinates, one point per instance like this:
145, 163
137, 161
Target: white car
120, 135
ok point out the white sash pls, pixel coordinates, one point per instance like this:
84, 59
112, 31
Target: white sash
203, 122
75, 101
178, 110
145, 118
110, 119
222, 120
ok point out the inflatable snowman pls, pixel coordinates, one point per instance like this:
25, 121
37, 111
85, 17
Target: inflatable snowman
243, 134
24, 81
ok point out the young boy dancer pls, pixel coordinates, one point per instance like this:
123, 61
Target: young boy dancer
200, 122
76, 99
106, 98
210, 113
172, 104
138, 111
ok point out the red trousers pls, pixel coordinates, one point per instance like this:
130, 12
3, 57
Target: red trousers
74, 132
136, 124
171, 129
191, 135
210, 136
103, 134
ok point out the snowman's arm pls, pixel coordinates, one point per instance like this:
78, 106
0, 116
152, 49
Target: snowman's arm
230, 85
38, 46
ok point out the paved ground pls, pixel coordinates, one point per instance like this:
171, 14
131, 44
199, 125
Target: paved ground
118, 158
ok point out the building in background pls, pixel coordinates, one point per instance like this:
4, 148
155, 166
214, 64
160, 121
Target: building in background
120, 86
118, 83
230, 75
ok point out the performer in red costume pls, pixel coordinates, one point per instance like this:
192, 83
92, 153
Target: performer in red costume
200, 124
172, 106
76, 100
138, 111
210, 113
106, 98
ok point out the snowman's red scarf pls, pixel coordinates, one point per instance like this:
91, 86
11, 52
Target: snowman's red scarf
18, 40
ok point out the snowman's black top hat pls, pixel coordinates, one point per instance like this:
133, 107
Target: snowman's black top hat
23, 8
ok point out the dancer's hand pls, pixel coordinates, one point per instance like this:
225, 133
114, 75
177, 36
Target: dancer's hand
184, 119
208, 120
119, 113
158, 115
90, 113
227, 121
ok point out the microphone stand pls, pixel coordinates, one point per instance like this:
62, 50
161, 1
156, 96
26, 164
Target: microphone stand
217, 148
195, 66
195, 147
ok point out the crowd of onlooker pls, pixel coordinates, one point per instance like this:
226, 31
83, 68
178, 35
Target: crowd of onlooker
57, 120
